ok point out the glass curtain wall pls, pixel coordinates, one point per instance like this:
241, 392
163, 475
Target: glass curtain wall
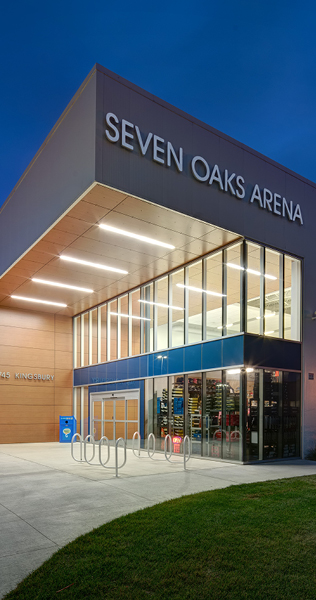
232, 414
202, 301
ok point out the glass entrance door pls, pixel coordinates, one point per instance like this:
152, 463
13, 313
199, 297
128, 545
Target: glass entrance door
114, 415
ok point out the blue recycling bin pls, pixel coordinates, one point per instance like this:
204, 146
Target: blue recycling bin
67, 428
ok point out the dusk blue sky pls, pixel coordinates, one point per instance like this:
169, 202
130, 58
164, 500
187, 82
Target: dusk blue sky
246, 68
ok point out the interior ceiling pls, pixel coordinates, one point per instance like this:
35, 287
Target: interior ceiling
77, 234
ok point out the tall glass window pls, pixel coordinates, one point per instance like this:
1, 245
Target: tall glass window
273, 288
233, 275
85, 339
123, 325
162, 313
177, 310
103, 333
214, 284
94, 336
254, 283
113, 310
212, 437
231, 417
195, 411
292, 298
147, 300
161, 410
136, 323
195, 302
253, 406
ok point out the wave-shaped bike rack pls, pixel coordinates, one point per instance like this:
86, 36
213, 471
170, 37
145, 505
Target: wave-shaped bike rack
186, 457
72, 446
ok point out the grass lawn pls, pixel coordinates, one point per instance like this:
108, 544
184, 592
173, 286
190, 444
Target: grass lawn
249, 541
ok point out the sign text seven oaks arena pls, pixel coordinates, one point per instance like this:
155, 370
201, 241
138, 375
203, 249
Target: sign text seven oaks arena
164, 153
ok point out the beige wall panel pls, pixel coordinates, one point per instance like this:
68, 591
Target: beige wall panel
26, 338
21, 381
63, 378
27, 395
63, 324
39, 432
63, 395
26, 414
63, 359
63, 342
62, 410
34, 360
31, 320
31, 342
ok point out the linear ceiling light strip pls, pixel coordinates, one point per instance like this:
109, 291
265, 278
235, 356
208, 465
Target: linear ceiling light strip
92, 264
135, 236
62, 285
39, 301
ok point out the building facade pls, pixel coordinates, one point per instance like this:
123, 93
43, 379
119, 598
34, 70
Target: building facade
157, 276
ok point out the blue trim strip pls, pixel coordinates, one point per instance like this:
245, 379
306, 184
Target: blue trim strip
215, 354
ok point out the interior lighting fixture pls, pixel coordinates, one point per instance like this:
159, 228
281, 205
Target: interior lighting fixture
236, 371
268, 332
135, 236
62, 285
39, 301
267, 316
160, 356
222, 327
92, 264
160, 304
251, 271
194, 289
129, 316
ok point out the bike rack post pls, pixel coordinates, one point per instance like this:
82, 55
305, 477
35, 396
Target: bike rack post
100, 457
168, 437
72, 446
136, 434
185, 460
89, 436
116, 455
151, 437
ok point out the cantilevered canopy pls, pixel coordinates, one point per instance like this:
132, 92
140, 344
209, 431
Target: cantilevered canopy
78, 235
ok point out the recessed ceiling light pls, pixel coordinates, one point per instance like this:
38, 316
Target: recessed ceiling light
135, 236
194, 289
129, 316
267, 316
233, 371
62, 285
222, 327
39, 301
92, 264
249, 370
269, 332
160, 304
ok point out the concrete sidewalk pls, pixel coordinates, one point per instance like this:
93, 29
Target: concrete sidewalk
47, 499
